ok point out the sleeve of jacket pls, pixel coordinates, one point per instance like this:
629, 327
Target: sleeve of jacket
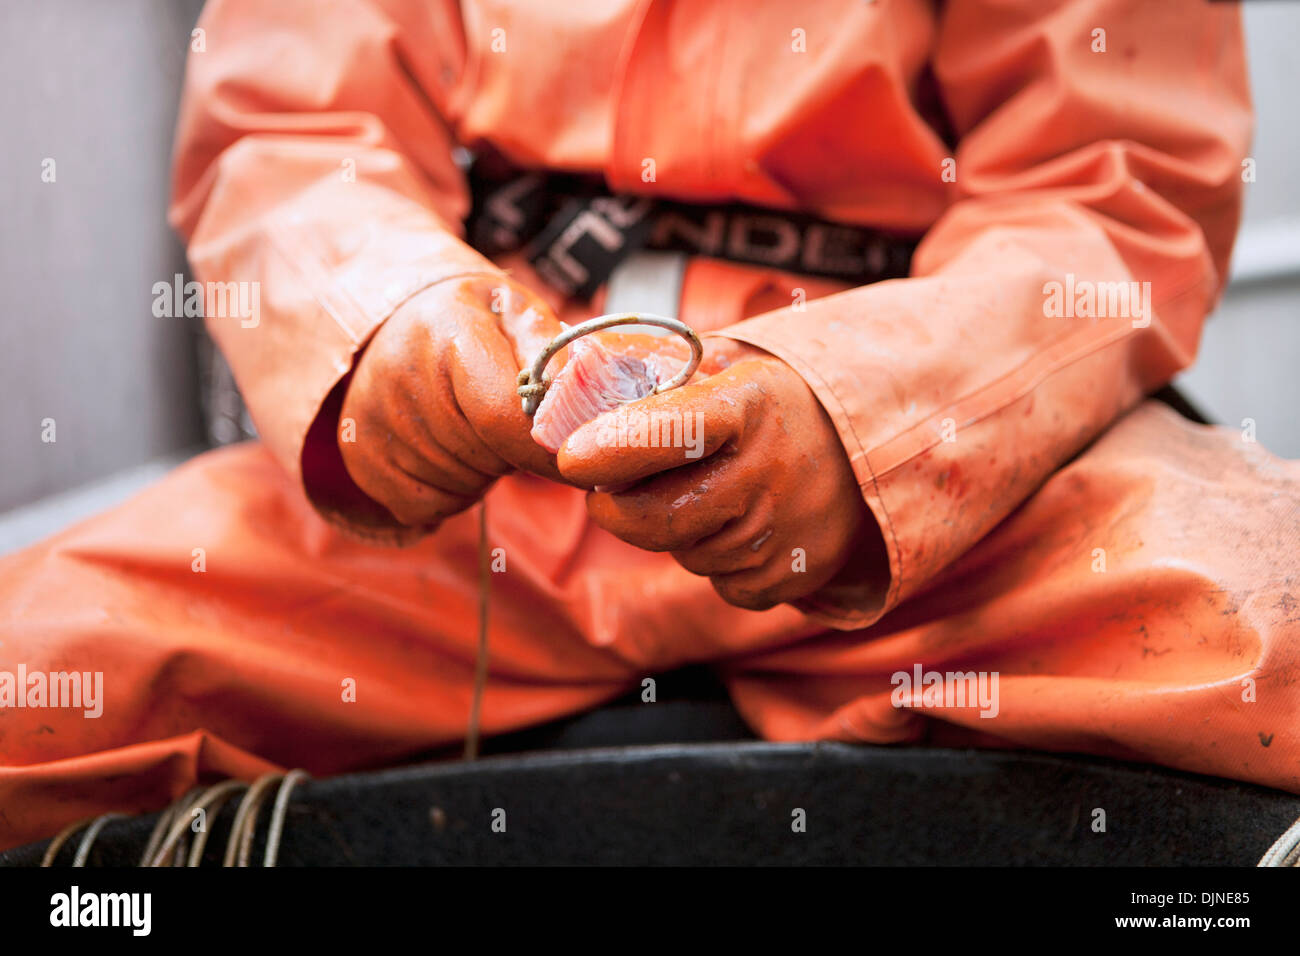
313, 163
1100, 144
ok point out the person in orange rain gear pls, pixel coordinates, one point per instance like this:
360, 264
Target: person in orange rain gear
947, 478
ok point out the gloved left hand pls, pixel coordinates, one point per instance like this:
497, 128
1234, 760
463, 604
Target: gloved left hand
433, 397
768, 476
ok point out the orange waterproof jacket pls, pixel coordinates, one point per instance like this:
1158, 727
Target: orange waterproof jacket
1092, 143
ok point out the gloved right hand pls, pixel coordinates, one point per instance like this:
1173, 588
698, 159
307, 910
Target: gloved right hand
433, 399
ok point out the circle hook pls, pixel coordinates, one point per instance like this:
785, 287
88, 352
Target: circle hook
532, 386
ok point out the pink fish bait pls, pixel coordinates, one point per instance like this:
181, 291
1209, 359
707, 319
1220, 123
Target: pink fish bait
603, 371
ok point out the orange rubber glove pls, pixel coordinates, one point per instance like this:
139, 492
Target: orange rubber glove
755, 491
433, 399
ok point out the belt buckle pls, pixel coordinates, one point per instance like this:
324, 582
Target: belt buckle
647, 281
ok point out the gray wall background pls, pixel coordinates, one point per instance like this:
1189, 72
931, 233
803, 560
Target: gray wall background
1249, 363
94, 85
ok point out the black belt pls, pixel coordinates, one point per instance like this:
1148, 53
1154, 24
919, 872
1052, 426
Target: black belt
575, 233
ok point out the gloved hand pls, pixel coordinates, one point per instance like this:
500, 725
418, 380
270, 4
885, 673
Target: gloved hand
433, 398
769, 476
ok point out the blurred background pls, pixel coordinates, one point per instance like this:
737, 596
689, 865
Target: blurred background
94, 86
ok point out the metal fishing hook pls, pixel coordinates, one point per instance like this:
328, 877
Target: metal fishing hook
532, 385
